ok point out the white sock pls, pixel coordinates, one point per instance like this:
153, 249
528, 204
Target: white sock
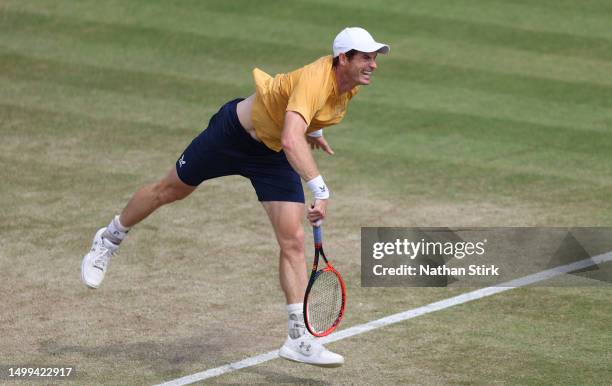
116, 232
296, 320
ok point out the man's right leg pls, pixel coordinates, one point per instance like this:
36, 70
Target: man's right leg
300, 346
144, 202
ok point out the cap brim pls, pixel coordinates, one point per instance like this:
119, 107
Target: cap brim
375, 47
384, 49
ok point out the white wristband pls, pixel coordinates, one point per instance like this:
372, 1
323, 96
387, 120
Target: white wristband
316, 134
318, 188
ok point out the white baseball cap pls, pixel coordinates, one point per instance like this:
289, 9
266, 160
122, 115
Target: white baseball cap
356, 38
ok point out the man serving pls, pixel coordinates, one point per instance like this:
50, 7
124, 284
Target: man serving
265, 138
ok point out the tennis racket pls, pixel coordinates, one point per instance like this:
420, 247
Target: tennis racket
325, 296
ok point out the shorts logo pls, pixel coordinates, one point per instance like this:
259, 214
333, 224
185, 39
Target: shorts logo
182, 161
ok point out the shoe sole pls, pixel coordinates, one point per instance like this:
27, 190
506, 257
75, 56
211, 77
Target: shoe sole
92, 286
89, 285
326, 365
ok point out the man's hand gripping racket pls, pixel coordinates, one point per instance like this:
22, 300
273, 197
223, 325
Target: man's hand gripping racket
325, 296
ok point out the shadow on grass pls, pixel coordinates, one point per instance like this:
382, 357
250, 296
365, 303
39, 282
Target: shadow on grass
270, 376
164, 358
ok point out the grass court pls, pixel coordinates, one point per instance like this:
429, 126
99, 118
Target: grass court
485, 113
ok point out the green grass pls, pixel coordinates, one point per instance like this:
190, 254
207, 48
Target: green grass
485, 113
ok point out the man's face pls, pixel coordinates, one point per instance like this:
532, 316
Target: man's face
360, 67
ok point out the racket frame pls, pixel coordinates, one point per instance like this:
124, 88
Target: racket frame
319, 253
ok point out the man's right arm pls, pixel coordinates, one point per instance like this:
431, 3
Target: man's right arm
296, 148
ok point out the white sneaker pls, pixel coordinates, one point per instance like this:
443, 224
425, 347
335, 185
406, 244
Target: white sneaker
96, 262
307, 350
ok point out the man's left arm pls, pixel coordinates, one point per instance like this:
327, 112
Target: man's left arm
317, 141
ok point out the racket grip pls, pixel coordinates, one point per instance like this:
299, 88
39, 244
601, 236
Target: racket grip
318, 236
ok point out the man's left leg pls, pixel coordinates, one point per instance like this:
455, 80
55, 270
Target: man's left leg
300, 346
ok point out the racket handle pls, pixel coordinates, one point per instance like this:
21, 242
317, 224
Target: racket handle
318, 236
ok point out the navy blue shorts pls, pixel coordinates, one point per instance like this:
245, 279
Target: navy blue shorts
226, 148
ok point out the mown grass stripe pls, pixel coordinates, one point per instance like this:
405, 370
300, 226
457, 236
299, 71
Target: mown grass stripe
409, 178
487, 104
595, 6
124, 81
565, 44
538, 87
534, 16
29, 120
534, 162
190, 19
442, 124
103, 104
503, 60
124, 36
471, 157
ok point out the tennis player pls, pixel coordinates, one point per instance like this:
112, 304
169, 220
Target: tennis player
265, 138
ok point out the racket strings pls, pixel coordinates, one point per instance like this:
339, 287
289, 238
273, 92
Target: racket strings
324, 301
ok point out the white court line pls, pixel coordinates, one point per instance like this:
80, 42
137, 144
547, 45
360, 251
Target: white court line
399, 317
